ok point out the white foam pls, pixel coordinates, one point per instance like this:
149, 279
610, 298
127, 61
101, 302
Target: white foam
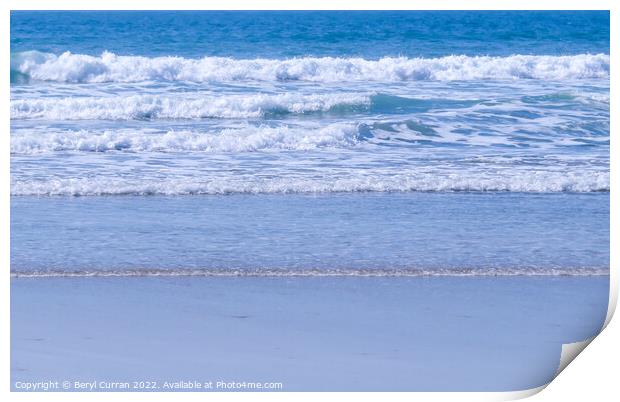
245, 139
458, 180
599, 98
109, 67
343, 272
164, 107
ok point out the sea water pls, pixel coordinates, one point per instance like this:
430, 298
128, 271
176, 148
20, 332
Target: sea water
397, 143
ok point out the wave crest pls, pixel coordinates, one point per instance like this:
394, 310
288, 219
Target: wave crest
80, 68
245, 139
164, 107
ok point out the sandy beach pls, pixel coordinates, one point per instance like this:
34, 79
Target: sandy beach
320, 334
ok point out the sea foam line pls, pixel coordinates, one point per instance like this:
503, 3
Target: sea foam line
242, 139
109, 67
380, 181
344, 272
166, 107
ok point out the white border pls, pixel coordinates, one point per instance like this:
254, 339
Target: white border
593, 377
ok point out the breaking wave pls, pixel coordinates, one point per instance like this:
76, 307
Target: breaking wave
245, 139
514, 181
164, 107
80, 68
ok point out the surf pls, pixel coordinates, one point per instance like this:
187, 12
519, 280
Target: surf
109, 67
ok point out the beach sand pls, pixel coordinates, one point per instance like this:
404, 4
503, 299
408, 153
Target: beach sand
310, 334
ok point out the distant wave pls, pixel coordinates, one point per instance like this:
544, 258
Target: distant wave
165, 107
244, 139
266, 272
513, 181
79, 68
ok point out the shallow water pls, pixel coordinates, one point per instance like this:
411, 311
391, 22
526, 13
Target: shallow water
399, 233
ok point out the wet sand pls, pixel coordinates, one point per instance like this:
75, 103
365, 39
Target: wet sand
310, 334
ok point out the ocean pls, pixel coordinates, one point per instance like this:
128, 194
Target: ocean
310, 140
331, 201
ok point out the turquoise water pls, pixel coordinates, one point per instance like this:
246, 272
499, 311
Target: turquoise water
305, 141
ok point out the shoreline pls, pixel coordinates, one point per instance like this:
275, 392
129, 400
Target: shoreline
314, 273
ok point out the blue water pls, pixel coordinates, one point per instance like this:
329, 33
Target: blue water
317, 33
427, 141
402, 233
